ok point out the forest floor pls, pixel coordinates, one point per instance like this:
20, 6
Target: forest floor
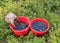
47, 9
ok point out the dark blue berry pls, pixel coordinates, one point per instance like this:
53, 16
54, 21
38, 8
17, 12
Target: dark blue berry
39, 26
20, 26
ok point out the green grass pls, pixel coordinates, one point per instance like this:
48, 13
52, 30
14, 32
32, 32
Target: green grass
48, 9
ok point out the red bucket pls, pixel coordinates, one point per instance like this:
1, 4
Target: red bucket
38, 33
23, 32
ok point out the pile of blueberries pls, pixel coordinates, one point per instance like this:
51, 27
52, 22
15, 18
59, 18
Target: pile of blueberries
19, 25
39, 26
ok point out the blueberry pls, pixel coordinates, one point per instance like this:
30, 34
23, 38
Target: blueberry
39, 26
20, 26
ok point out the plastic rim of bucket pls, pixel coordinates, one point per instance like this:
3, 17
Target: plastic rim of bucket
24, 31
37, 33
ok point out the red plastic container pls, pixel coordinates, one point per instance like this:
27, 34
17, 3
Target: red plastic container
37, 33
21, 32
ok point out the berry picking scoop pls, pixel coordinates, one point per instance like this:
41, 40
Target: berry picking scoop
9, 18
